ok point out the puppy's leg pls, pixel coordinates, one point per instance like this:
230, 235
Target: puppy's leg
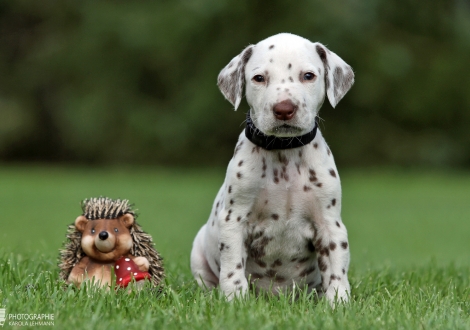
333, 249
232, 252
199, 265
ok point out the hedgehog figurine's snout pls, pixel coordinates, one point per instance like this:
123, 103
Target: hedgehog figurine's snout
105, 242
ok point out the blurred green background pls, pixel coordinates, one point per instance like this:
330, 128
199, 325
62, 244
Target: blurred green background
134, 82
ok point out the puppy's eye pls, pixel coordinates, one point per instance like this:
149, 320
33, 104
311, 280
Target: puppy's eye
258, 78
93, 230
116, 230
309, 76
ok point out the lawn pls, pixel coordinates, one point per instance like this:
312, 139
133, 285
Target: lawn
409, 235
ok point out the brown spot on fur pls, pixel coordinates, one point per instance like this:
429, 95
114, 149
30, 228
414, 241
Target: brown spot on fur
335, 277
256, 244
322, 265
239, 175
239, 218
301, 261
333, 201
229, 275
222, 246
227, 218
324, 252
236, 282
239, 266
289, 66
307, 188
275, 216
231, 202
344, 245
328, 151
332, 246
229, 189
256, 276
297, 165
279, 279
315, 145
271, 47
319, 184
338, 225
270, 273
260, 263
240, 163
344, 271
276, 263
313, 176
282, 159
291, 80
307, 271
333, 173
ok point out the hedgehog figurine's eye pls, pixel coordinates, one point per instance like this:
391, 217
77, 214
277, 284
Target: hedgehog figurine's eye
92, 230
116, 230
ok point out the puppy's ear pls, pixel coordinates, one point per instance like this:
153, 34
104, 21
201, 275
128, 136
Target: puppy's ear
232, 78
339, 76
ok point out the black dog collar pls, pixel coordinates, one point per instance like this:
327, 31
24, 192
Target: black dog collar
270, 142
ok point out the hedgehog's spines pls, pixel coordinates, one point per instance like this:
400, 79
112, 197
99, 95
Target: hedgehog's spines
106, 208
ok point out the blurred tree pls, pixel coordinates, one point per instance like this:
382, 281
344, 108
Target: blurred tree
135, 82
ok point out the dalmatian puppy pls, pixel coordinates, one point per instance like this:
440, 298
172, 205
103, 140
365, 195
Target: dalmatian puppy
276, 221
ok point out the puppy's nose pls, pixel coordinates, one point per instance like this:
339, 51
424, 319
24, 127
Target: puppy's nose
284, 110
103, 235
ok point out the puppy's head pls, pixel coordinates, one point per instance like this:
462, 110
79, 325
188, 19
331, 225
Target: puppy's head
286, 78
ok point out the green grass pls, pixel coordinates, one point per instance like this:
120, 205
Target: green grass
409, 236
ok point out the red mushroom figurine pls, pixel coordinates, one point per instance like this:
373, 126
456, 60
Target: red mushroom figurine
125, 270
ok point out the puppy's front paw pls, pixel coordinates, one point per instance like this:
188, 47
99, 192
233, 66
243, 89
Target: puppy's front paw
337, 294
234, 288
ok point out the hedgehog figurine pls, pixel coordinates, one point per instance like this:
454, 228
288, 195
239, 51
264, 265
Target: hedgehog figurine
106, 235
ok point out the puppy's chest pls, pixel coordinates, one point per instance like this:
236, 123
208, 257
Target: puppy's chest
281, 239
